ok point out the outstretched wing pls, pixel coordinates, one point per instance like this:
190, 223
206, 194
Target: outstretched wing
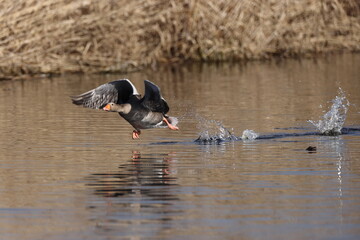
153, 99
117, 92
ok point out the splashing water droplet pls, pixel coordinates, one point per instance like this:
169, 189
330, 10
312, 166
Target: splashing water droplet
213, 131
249, 135
333, 120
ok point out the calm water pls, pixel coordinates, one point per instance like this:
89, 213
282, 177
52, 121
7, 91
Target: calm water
68, 172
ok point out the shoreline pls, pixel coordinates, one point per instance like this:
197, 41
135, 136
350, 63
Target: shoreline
57, 36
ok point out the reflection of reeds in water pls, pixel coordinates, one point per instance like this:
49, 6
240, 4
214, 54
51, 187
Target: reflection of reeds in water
54, 36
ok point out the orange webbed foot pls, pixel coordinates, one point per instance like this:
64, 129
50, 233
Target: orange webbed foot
136, 134
172, 127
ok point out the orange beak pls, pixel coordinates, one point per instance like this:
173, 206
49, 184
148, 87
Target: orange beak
107, 107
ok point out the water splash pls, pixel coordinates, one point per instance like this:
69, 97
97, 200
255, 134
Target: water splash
249, 135
333, 120
212, 131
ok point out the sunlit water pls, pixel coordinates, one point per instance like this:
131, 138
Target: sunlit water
237, 169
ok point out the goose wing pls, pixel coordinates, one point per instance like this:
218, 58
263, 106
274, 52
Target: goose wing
153, 100
117, 92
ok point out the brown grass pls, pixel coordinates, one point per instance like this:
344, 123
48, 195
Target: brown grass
56, 36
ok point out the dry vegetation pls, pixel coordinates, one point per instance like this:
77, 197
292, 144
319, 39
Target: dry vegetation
55, 36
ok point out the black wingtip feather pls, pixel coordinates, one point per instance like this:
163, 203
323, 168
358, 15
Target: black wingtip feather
76, 101
81, 99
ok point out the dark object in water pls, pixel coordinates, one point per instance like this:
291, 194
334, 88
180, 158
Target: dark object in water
311, 149
121, 96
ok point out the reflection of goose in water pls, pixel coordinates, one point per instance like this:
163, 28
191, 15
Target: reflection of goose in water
148, 177
121, 96
141, 196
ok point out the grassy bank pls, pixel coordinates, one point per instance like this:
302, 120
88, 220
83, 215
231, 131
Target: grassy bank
55, 36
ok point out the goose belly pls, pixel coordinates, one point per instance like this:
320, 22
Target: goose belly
148, 120
152, 120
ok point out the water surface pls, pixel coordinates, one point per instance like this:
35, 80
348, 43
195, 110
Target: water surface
68, 172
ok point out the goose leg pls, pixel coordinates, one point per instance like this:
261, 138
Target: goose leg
169, 125
136, 134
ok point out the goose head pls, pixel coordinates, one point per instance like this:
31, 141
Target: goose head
120, 108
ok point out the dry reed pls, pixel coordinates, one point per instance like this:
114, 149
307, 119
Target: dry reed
56, 36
